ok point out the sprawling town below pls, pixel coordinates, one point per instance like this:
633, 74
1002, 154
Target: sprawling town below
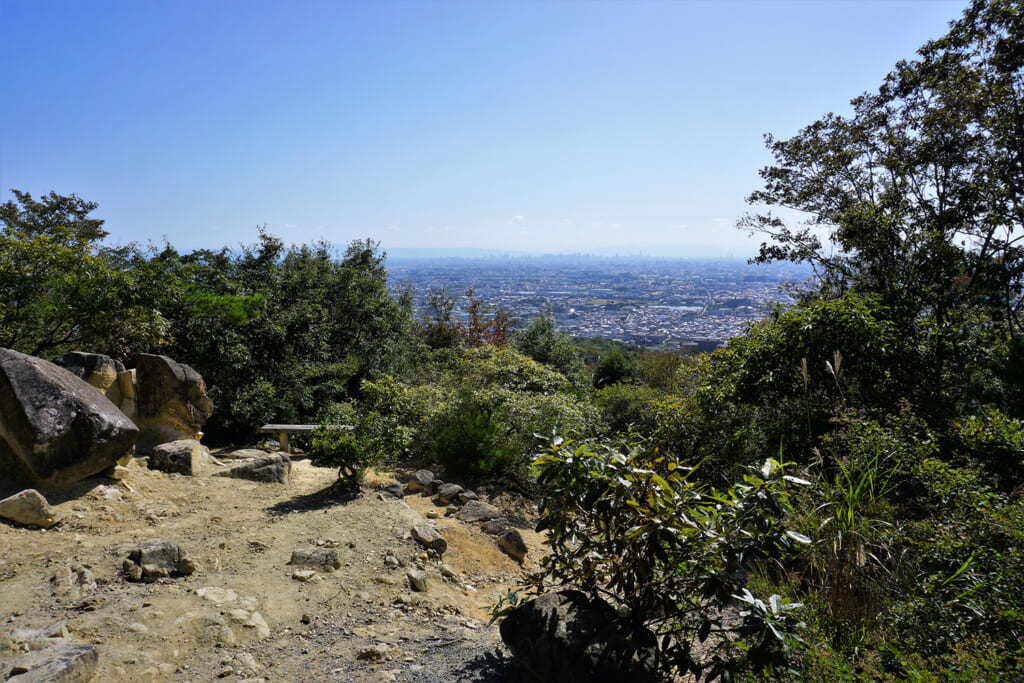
668, 304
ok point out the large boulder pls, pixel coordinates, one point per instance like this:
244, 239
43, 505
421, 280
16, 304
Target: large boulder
172, 401
186, 456
54, 427
104, 373
572, 638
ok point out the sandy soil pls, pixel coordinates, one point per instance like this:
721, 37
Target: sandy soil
362, 622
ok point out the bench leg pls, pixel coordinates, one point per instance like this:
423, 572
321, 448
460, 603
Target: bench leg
282, 439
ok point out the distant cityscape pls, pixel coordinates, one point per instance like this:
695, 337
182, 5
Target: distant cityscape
693, 305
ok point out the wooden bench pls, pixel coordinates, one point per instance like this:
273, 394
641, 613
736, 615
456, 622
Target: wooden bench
283, 431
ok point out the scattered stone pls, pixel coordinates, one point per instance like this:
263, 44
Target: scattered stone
478, 511
451, 510
259, 624
62, 663
417, 580
216, 595
74, 578
432, 514
571, 638
511, 541
214, 630
305, 619
447, 571
185, 456
448, 493
30, 508
496, 525
305, 575
272, 468
377, 652
325, 558
391, 560
421, 480
117, 472
156, 559
56, 428
467, 496
429, 538
395, 490
38, 639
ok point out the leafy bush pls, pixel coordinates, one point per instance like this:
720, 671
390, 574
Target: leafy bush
354, 440
634, 527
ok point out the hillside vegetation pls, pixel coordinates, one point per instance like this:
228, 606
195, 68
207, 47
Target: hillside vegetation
838, 494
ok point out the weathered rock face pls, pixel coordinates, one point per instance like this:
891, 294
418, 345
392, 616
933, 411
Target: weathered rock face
54, 427
172, 401
104, 373
568, 637
270, 469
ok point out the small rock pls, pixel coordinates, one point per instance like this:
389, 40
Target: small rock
467, 496
447, 571
377, 652
432, 514
116, 472
259, 624
395, 490
305, 575
451, 510
429, 538
218, 596
448, 493
511, 541
305, 619
421, 480
417, 580
272, 469
185, 456
64, 662
156, 559
325, 558
496, 525
478, 511
30, 508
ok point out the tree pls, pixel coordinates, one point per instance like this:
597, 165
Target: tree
917, 198
919, 194
61, 289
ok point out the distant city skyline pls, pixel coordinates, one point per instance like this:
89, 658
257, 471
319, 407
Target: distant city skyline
543, 127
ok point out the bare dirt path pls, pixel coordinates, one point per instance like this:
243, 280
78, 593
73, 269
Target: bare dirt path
242, 615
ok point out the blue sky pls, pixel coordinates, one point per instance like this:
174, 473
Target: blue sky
537, 126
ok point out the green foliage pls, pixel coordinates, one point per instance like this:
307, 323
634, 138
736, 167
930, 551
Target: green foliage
613, 368
542, 342
635, 527
353, 440
997, 441
61, 289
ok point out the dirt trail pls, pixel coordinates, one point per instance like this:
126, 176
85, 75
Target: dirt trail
359, 623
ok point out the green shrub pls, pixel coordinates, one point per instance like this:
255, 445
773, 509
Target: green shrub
634, 527
353, 440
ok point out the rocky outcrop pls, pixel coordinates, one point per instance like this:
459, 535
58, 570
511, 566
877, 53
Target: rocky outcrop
571, 638
29, 508
172, 401
104, 373
54, 427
